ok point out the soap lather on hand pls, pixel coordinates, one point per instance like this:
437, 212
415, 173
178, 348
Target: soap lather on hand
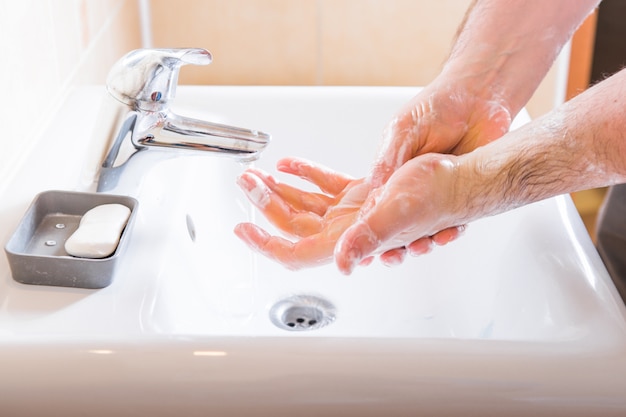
99, 231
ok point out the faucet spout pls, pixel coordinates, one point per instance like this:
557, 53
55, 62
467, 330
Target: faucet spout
169, 130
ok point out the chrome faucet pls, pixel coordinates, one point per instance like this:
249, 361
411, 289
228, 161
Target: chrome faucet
144, 80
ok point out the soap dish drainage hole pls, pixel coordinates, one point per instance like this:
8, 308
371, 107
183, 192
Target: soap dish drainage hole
302, 312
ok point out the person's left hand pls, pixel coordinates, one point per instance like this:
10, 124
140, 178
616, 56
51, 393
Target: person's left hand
314, 220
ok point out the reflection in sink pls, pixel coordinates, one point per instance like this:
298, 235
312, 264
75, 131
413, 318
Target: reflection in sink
507, 318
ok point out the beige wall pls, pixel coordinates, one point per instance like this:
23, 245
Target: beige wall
336, 42
48, 47
317, 42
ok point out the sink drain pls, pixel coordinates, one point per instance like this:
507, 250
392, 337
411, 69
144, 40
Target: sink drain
302, 312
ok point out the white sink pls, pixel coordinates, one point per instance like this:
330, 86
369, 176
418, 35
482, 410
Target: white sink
518, 317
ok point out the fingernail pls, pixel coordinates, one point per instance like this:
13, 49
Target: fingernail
244, 181
393, 260
242, 231
255, 189
262, 175
350, 260
420, 247
289, 165
252, 235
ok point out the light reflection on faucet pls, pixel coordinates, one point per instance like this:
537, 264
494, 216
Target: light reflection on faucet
144, 81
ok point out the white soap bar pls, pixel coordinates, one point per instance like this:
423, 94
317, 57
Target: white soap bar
99, 231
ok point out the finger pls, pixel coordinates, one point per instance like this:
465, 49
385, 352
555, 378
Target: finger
448, 235
420, 246
329, 181
366, 261
395, 150
382, 218
425, 245
273, 247
354, 245
307, 252
298, 199
276, 210
377, 225
393, 257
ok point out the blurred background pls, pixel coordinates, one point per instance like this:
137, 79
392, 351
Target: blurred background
52, 46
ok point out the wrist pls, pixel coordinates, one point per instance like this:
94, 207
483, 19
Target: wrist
489, 77
450, 195
504, 49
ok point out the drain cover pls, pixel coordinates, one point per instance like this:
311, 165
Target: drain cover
302, 312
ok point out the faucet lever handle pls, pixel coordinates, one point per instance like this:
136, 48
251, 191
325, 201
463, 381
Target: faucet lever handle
145, 79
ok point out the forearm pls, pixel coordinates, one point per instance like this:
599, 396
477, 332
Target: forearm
579, 146
504, 48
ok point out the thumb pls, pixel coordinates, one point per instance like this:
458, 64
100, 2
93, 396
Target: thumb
376, 225
396, 148
354, 245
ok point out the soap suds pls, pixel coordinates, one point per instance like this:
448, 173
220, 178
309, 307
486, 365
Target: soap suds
349, 250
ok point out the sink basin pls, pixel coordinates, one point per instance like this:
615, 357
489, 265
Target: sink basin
518, 317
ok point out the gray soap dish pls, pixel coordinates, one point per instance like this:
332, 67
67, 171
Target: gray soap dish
36, 251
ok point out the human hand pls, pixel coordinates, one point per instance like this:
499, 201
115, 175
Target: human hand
419, 205
442, 118
446, 117
314, 220
318, 220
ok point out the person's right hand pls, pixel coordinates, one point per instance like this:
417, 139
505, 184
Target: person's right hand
446, 117
435, 120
